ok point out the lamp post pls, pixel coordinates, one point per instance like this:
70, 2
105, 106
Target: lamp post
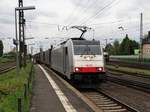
123, 29
25, 8
16, 30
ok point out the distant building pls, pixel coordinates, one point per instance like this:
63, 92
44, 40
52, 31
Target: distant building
146, 46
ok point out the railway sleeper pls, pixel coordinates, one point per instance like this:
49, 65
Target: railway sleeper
96, 96
107, 100
104, 103
108, 105
99, 98
118, 110
113, 107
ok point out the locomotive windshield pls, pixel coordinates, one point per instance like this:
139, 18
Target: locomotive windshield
87, 50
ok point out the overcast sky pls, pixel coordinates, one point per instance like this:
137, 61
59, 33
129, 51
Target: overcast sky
104, 16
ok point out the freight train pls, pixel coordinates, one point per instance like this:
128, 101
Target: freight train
78, 59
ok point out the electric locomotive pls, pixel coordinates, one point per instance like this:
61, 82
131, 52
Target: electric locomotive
79, 60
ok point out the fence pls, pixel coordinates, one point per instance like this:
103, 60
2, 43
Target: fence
26, 92
129, 58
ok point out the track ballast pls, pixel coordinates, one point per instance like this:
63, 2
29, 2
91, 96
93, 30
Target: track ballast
107, 103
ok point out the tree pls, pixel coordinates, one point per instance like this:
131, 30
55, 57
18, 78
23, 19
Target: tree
1, 48
125, 46
109, 49
133, 45
116, 46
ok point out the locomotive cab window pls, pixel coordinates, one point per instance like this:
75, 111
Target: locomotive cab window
86, 47
87, 50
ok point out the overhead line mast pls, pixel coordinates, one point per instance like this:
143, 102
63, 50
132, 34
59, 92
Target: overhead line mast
141, 37
21, 35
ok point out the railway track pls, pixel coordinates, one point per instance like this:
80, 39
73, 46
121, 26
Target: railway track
103, 101
6, 70
7, 67
126, 72
130, 83
106, 102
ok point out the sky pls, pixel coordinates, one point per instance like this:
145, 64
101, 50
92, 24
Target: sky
46, 23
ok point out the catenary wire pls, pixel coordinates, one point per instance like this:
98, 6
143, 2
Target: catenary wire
98, 12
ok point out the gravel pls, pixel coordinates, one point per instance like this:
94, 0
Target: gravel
137, 99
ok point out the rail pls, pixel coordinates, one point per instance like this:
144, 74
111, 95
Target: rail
106, 102
7, 67
130, 83
129, 73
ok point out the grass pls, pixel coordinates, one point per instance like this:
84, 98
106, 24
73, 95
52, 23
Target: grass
5, 60
132, 70
12, 88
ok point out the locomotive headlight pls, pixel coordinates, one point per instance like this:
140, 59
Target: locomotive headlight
77, 69
100, 69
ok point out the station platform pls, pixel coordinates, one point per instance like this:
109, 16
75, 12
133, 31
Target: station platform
51, 95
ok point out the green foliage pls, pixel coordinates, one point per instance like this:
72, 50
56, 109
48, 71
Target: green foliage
126, 47
134, 45
5, 60
8, 57
109, 48
116, 47
11, 88
1, 48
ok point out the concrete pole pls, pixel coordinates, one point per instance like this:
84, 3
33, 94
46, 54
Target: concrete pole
141, 37
17, 42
